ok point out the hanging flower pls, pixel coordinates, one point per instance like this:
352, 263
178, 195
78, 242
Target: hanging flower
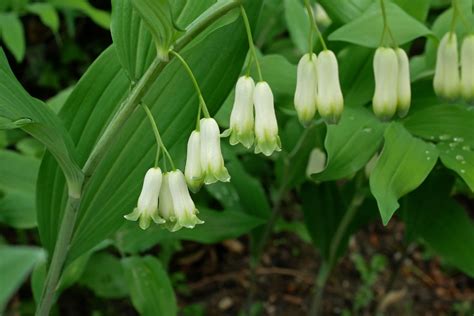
306, 88
266, 126
446, 79
386, 70
242, 116
165, 207
212, 162
330, 98
147, 207
467, 68
193, 170
404, 85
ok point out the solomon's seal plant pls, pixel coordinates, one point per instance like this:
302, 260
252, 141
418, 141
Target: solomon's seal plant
357, 122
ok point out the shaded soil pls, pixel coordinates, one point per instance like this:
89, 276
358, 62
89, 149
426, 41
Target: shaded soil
219, 278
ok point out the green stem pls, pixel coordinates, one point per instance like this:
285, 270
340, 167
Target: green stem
311, 29
202, 102
386, 27
159, 140
105, 141
59, 257
314, 25
252, 48
341, 231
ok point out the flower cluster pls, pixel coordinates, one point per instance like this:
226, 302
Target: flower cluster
392, 83
165, 199
318, 88
253, 119
204, 161
448, 82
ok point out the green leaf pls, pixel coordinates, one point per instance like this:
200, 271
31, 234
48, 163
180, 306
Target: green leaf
441, 223
100, 17
150, 288
404, 164
156, 15
114, 188
367, 29
351, 144
252, 197
345, 11
356, 75
104, 275
16, 265
297, 22
445, 123
460, 158
13, 35
17, 185
324, 207
218, 226
47, 14
39, 121
280, 75
132, 40
417, 9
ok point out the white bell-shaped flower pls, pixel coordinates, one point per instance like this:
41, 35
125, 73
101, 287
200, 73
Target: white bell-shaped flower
404, 84
147, 206
212, 162
242, 116
467, 68
193, 170
446, 79
386, 70
306, 88
165, 206
266, 125
185, 212
330, 98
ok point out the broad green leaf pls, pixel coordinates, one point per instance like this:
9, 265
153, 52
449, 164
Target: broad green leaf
101, 88
57, 102
356, 75
252, 197
351, 144
114, 188
367, 29
280, 75
132, 40
13, 35
298, 143
104, 275
47, 14
417, 9
298, 25
16, 105
447, 123
218, 226
345, 11
404, 164
16, 265
100, 17
441, 223
459, 157
17, 186
156, 15
324, 207
150, 288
